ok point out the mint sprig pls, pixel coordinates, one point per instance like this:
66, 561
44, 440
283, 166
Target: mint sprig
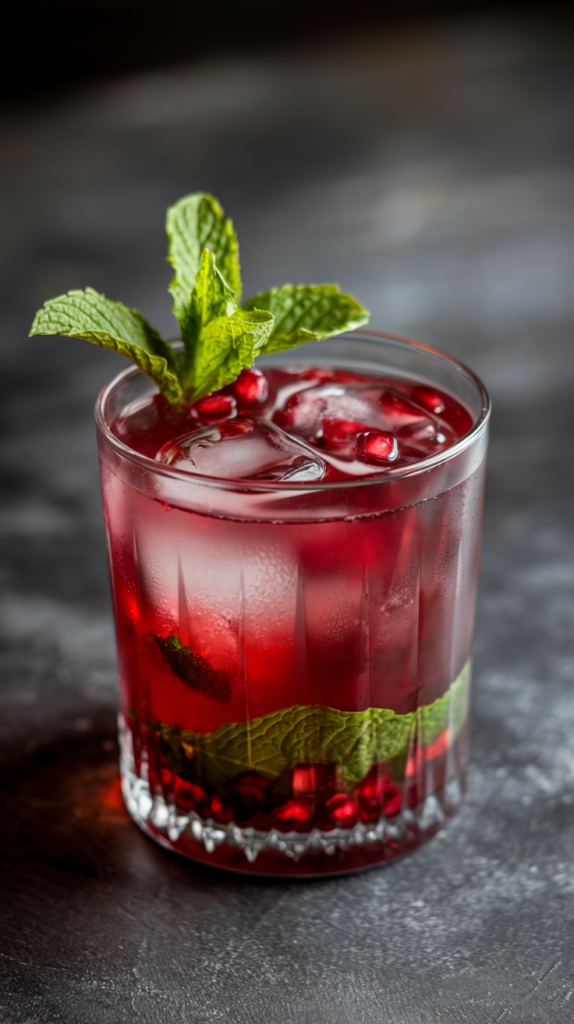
307, 312
89, 315
312, 734
220, 337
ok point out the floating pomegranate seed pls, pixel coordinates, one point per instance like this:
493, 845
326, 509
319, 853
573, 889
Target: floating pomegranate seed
340, 432
377, 446
341, 807
251, 386
429, 398
399, 409
293, 810
301, 412
215, 407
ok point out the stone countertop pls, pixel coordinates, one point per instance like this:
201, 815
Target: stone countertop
431, 172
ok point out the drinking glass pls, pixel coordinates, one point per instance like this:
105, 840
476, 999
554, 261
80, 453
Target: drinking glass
294, 658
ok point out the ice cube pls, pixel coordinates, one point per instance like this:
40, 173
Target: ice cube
245, 448
331, 415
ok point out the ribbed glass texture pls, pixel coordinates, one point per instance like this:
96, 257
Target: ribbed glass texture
294, 658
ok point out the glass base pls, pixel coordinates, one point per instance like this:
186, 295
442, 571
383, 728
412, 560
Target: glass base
282, 853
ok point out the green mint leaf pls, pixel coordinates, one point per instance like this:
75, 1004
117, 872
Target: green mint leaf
227, 346
226, 339
89, 315
211, 297
449, 710
195, 223
307, 312
193, 669
303, 734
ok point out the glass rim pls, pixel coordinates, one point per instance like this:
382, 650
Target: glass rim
279, 486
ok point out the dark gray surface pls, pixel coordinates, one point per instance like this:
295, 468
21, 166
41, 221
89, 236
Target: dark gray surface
432, 173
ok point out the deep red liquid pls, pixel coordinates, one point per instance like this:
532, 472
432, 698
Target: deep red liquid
351, 613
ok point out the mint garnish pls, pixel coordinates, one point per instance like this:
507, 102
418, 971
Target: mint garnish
194, 669
311, 734
89, 315
220, 337
307, 312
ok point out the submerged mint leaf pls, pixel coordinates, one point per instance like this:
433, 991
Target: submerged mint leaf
89, 315
193, 669
193, 224
307, 312
311, 734
450, 710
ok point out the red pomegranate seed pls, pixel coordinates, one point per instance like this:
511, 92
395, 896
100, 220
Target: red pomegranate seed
215, 407
337, 431
220, 811
187, 794
429, 398
251, 386
303, 780
399, 409
392, 801
293, 811
341, 807
377, 446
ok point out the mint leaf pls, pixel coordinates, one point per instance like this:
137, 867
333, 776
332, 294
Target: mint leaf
89, 315
226, 339
212, 297
303, 734
307, 312
195, 223
193, 669
227, 346
449, 710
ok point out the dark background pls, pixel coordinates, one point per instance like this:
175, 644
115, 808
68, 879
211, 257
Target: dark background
423, 156
56, 42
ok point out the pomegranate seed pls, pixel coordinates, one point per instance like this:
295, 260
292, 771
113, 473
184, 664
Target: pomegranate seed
337, 431
187, 794
341, 807
293, 811
301, 412
399, 409
429, 398
392, 801
377, 446
303, 780
220, 811
254, 791
251, 386
215, 407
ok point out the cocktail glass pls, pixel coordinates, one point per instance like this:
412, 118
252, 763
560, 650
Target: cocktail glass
294, 657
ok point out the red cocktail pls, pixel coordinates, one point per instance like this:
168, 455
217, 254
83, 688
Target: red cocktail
294, 565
